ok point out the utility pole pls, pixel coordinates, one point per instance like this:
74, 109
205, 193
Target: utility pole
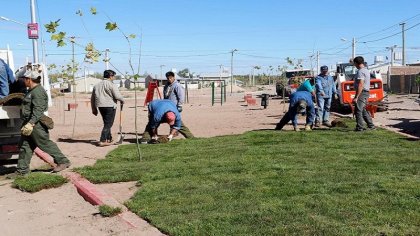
161, 71
353, 54
34, 41
403, 43
317, 63
231, 71
221, 70
106, 59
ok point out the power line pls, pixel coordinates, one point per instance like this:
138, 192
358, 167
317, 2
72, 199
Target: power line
392, 26
392, 35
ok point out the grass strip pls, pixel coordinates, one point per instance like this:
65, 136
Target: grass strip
35, 182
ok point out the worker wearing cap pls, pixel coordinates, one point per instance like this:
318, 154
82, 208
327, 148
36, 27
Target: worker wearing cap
175, 92
161, 111
34, 133
325, 91
300, 103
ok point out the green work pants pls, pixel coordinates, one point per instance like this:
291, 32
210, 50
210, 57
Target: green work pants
39, 138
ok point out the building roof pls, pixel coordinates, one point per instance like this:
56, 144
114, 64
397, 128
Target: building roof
405, 70
215, 75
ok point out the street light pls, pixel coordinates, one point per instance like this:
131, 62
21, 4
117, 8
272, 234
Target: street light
14, 21
353, 44
161, 72
231, 71
34, 41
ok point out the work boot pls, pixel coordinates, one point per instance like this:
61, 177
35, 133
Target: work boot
327, 123
295, 128
317, 124
371, 128
61, 167
308, 128
16, 174
103, 144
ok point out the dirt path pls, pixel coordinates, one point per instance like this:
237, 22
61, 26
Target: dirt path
62, 211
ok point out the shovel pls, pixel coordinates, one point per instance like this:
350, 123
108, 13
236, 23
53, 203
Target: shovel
120, 134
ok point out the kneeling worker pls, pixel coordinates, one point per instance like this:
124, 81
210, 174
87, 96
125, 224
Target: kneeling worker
161, 111
300, 103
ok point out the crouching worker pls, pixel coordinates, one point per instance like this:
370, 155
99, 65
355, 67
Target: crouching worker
35, 126
300, 103
161, 111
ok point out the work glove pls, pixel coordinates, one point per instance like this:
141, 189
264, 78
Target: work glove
179, 107
95, 112
336, 96
27, 129
170, 137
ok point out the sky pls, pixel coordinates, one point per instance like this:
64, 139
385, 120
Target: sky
200, 34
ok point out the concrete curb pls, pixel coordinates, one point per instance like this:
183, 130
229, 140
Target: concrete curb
96, 196
45, 157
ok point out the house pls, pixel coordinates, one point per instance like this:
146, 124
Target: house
85, 84
402, 79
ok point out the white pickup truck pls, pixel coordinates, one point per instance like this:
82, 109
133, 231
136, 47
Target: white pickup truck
10, 124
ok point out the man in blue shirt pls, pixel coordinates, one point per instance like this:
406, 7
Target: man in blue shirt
161, 111
300, 103
6, 79
325, 90
175, 92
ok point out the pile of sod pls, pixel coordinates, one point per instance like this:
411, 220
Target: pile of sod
35, 182
325, 182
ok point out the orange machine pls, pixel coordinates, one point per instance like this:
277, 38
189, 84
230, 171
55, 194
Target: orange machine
376, 95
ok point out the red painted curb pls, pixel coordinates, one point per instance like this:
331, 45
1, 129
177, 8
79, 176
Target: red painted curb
45, 157
86, 189
95, 196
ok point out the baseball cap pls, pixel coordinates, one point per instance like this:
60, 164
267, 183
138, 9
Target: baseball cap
324, 68
302, 106
33, 75
170, 118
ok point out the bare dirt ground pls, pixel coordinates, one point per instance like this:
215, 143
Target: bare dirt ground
62, 211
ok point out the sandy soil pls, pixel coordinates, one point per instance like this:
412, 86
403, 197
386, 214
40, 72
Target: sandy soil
62, 211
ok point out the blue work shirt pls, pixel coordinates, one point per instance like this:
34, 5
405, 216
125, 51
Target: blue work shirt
6, 78
306, 86
326, 85
157, 111
294, 102
174, 92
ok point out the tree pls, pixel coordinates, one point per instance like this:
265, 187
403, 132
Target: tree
184, 73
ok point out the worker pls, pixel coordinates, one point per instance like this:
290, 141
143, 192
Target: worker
161, 111
175, 92
308, 86
6, 78
35, 130
104, 98
325, 91
362, 88
300, 103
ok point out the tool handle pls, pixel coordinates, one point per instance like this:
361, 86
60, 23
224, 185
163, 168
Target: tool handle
121, 106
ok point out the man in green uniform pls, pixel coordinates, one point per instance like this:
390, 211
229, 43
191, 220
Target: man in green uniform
34, 132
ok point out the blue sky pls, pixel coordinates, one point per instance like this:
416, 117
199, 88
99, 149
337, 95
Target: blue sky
199, 34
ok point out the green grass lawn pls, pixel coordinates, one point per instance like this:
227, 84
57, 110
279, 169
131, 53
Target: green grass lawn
332, 182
